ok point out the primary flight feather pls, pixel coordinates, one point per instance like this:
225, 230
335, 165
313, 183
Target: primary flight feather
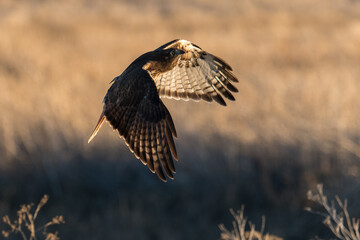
178, 69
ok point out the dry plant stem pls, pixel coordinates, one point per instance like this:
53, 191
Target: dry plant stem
239, 229
335, 220
27, 219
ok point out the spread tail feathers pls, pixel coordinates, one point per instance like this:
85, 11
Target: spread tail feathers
98, 126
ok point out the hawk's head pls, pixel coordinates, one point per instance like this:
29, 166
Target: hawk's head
160, 61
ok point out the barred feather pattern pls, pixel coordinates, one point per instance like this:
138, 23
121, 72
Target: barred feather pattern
134, 109
178, 69
198, 75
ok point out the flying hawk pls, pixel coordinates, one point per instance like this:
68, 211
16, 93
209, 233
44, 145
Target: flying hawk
178, 69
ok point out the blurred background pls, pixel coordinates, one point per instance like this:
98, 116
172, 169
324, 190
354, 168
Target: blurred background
295, 122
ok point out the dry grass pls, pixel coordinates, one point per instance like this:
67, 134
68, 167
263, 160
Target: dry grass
337, 218
240, 231
24, 225
299, 74
295, 122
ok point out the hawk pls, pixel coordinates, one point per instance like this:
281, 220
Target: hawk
178, 69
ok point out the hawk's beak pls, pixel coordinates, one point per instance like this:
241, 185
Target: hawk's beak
179, 52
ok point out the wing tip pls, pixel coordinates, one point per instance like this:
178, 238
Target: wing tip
165, 179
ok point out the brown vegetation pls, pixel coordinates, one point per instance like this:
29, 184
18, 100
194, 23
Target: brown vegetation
240, 230
25, 226
337, 217
295, 122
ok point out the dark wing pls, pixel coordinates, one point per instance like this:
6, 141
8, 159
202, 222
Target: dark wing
198, 75
133, 107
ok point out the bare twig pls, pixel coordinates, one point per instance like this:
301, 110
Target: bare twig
239, 231
339, 222
25, 218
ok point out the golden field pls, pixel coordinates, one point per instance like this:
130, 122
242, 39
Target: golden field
295, 121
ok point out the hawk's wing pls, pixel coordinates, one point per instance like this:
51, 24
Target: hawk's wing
133, 107
198, 75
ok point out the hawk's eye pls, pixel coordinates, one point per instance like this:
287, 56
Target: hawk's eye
172, 53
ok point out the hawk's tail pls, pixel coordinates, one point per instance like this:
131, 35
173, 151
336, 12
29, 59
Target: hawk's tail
98, 126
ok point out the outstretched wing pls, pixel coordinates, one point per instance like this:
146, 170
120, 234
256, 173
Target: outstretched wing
133, 107
198, 75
